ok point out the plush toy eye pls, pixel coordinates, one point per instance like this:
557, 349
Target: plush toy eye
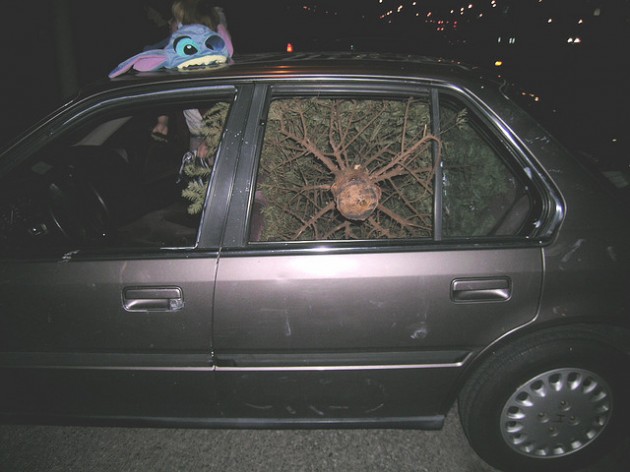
215, 42
184, 46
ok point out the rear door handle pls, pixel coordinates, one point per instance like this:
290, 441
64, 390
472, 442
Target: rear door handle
153, 299
497, 289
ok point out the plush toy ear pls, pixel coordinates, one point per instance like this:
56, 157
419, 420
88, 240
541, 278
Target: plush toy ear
223, 32
145, 61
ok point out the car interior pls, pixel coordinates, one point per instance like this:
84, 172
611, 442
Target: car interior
117, 186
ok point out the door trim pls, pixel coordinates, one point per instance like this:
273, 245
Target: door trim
343, 361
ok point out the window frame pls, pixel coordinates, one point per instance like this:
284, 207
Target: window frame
76, 119
511, 159
358, 95
237, 237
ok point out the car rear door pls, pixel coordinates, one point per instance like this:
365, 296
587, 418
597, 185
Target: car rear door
321, 316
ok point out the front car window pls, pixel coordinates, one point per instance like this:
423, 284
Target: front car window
119, 181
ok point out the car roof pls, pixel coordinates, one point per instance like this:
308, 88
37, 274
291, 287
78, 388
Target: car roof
329, 64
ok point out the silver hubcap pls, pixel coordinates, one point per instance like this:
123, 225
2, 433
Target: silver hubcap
556, 413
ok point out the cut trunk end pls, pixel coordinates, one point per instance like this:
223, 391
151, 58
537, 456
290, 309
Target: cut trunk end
356, 196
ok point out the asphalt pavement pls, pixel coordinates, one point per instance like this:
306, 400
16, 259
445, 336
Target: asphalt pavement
25, 448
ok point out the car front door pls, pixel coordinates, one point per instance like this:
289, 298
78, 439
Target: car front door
108, 266
382, 248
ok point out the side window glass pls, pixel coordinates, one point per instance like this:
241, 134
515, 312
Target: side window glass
119, 182
345, 169
482, 195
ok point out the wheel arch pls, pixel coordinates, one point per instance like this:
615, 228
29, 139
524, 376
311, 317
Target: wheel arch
613, 332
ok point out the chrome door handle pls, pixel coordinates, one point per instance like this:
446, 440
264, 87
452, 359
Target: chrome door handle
497, 289
153, 299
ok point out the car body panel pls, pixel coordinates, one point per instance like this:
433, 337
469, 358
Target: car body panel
76, 345
318, 302
95, 298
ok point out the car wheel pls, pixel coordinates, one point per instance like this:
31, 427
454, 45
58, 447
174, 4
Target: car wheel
549, 402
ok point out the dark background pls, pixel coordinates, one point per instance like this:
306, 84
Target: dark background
54, 47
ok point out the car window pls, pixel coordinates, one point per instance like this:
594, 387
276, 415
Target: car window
482, 195
115, 182
345, 168
365, 168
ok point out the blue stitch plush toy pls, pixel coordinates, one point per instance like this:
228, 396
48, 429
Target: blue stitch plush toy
190, 47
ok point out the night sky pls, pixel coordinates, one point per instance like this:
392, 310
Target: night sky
571, 53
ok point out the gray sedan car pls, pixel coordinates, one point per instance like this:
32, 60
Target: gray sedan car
321, 240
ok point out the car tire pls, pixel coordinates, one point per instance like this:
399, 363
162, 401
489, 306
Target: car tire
552, 401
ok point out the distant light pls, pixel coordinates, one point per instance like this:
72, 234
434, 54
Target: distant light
550, 20
597, 12
534, 97
498, 63
289, 47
